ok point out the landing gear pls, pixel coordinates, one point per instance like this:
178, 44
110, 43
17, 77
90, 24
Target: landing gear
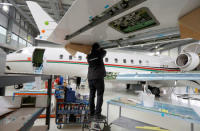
155, 91
20, 86
139, 87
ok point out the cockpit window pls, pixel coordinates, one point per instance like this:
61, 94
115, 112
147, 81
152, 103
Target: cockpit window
19, 51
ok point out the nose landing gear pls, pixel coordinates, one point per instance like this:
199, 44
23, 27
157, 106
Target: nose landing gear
17, 87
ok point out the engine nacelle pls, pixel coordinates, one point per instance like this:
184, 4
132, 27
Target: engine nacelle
188, 61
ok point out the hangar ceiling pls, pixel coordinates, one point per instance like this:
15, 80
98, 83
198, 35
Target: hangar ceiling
55, 8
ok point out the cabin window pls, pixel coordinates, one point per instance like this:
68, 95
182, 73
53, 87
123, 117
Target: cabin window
79, 57
70, 57
140, 61
124, 60
147, 61
19, 51
132, 61
106, 59
116, 60
61, 56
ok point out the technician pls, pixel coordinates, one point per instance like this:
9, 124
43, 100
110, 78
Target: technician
96, 74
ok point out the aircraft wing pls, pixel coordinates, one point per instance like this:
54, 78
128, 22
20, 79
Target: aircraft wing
158, 76
89, 21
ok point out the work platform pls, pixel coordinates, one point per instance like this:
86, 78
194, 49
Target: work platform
22, 119
14, 79
188, 114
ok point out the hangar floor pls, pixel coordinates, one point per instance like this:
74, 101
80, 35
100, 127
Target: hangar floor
114, 90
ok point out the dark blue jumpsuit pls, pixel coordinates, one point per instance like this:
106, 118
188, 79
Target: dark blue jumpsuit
96, 74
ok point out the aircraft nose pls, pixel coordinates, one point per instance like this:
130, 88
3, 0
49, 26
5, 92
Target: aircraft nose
19, 63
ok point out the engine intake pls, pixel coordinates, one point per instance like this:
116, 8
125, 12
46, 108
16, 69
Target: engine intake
188, 61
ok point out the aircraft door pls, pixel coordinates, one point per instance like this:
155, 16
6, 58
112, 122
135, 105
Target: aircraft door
37, 58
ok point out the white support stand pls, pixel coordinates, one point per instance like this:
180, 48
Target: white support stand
38, 83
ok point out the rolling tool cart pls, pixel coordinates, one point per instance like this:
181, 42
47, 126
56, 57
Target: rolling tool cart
69, 109
72, 109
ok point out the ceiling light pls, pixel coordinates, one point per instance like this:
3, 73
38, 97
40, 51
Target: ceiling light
8, 4
5, 8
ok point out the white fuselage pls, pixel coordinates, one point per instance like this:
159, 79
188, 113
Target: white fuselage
57, 61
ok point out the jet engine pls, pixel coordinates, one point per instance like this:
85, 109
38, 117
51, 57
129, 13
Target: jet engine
189, 59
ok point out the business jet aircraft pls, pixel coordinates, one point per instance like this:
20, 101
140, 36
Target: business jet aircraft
58, 61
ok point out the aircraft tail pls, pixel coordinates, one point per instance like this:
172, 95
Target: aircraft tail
45, 23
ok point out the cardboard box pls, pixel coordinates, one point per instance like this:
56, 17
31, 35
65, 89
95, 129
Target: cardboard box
190, 25
72, 48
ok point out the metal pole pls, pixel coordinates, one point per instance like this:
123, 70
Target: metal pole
48, 109
107, 111
120, 110
2, 91
192, 127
